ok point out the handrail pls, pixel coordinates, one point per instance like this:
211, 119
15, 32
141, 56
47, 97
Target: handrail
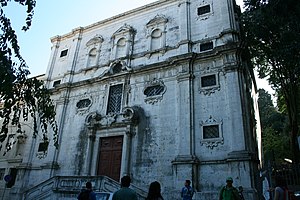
67, 187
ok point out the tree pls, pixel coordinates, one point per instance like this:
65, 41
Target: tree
274, 129
22, 97
272, 35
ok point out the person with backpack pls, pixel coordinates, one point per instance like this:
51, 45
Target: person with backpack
87, 194
187, 191
228, 192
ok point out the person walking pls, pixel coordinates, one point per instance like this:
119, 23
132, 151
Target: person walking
154, 191
87, 194
125, 193
187, 191
228, 192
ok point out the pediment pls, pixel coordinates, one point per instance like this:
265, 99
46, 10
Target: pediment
158, 19
124, 29
95, 40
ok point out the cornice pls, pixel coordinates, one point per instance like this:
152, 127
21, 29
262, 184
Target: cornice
133, 12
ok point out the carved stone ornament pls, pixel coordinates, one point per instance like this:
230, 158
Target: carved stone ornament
84, 104
158, 19
124, 29
208, 90
108, 119
129, 115
42, 155
156, 95
211, 142
95, 40
116, 67
21, 138
119, 63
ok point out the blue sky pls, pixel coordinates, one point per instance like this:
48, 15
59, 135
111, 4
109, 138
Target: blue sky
58, 17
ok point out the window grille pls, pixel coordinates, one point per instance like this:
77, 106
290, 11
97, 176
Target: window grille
154, 90
204, 9
115, 99
211, 131
207, 81
83, 103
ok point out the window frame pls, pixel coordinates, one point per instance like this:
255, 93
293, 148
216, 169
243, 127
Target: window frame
208, 90
204, 8
63, 53
205, 15
211, 142
205, 49
108, 112
154, 98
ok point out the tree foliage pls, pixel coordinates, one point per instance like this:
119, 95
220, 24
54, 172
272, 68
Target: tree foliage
275, 139
272, 31
22, 98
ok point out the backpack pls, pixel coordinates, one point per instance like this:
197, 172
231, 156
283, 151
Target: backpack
84, 195
236, 195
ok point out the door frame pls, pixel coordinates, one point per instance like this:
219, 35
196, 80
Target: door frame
94, 146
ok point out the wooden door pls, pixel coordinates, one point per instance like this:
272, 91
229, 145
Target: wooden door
110, 155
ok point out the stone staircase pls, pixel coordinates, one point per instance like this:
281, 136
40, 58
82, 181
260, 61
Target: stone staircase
68, 187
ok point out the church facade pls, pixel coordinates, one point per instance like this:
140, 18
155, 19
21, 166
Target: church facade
160, 93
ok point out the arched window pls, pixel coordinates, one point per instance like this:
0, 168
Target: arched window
92, 58
117, 68
121, 47
156, 37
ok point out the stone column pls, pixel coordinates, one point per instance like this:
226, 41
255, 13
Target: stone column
185, 24
126, 158
186, 163
90, 150
53, 56
184, 114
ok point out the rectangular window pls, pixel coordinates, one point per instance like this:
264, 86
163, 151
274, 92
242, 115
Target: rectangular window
63, 53
207, 81
2, 173
43, 146
206, 46
115, 99
55, 83
13, 174
210, 131
204, 9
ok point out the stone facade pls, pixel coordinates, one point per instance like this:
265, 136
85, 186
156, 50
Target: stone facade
167, 84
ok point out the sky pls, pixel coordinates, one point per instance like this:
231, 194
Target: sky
58, 17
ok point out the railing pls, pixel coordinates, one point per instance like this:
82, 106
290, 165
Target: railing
290, 173
68, 187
